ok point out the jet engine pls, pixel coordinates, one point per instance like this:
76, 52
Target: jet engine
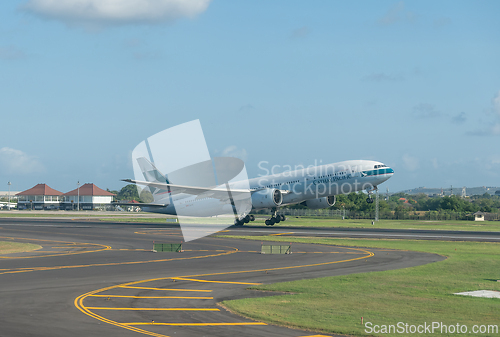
267, 198
324, 202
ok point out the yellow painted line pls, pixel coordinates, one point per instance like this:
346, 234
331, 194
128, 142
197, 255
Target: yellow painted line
116, 263
89, 245
317, 336
79, 300
370, 254
207, 281
196, 324
155, 309
167, 289
70, 246
203, 250
281, 234
352, 253
177, 297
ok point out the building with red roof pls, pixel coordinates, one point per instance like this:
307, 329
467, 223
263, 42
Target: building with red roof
41, 196
88, 197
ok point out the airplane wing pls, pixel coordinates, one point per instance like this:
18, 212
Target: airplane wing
117, 203
202, 192
217, 192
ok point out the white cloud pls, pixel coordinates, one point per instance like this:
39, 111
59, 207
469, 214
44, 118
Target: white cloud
425, 110
116, 11
11, 53
496, 103
14, 161
492, 127
459, 118
411, 163
397, 13
301, 32
495, 129
233, 151
246, 108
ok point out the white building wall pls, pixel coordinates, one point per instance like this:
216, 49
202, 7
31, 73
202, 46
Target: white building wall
102, 199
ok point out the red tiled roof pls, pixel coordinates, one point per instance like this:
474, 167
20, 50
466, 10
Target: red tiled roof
90, 189
40, 189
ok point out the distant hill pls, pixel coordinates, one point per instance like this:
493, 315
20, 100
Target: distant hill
456, 190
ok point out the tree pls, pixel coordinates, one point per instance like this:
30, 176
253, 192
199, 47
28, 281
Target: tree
128, 192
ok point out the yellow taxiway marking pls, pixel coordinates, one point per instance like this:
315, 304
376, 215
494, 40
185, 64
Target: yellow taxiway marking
208, 281
63, 253
353, 253
22, 270
167, 289
203, 250
177, 297
195, 324
159, 231
87, 310
281, 234
155, 309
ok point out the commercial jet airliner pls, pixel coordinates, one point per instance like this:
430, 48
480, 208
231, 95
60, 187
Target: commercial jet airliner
315, 187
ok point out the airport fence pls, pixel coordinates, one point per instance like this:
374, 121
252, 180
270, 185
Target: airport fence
384, 215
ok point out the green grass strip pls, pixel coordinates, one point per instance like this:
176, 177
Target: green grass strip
416, 295
16, 247
458, 225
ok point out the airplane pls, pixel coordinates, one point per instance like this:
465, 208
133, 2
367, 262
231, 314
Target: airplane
314, 187
7, 205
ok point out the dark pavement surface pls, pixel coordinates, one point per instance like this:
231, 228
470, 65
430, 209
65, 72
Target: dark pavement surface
102, 279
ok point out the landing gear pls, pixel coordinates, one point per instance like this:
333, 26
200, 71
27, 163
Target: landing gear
244, 220
275, 218
370, 192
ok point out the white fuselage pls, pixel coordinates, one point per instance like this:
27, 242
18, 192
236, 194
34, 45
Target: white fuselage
296, 186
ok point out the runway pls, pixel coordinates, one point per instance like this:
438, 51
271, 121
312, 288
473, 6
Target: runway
102, 279
378, 233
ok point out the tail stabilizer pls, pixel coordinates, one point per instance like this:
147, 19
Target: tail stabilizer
150, 172
153, 175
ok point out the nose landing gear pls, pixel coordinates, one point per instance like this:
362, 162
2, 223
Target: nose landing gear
370, 193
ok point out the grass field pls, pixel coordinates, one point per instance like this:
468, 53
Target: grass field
412, 295
16, 247
460, 225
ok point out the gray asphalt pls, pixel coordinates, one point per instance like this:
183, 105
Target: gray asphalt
91, 278
412, 234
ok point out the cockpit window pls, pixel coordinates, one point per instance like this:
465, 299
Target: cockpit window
379, 166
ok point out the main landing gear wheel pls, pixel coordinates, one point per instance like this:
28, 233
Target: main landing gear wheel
244, 220
275, 218
369, 200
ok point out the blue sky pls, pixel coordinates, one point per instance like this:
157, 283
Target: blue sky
414, 84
